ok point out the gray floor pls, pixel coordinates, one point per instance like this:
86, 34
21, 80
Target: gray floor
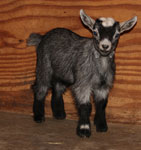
19, 132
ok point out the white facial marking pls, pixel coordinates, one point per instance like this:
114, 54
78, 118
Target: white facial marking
105, 42
84, 126
107, 22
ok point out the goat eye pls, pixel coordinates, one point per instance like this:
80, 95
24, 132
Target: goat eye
117, 36
95, 33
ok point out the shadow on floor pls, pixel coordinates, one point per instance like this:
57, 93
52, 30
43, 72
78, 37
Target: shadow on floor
19, 132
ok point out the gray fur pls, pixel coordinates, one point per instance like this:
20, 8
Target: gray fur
65, 56
34, 39
74, 60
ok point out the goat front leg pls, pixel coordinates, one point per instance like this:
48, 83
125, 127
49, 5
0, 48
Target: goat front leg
84, 111
84, 127
101, 99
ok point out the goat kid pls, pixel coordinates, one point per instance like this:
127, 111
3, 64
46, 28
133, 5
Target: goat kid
85, 64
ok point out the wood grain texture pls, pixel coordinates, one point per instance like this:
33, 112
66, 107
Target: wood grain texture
19, 18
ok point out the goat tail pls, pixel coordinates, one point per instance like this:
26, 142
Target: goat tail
34, 39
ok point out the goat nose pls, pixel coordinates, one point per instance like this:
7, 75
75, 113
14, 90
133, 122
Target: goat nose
105, 47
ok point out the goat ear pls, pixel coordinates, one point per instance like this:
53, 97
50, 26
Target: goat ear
127, 25
88, 21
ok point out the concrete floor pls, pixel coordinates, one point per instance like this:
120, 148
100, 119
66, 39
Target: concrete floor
19, 132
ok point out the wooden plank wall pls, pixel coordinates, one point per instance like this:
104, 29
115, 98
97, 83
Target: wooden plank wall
19, 18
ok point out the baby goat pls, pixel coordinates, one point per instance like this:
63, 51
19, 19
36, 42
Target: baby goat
85, 64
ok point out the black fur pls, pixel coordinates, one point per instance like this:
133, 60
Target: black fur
84, 112
100, 118
38, 109
57, 102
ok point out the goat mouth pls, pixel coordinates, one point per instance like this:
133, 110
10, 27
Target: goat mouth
104, 53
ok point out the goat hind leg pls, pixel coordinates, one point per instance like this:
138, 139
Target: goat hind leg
39, 102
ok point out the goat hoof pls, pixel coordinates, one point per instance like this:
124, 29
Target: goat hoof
39, 119
59, 115
101, 128
83, 132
